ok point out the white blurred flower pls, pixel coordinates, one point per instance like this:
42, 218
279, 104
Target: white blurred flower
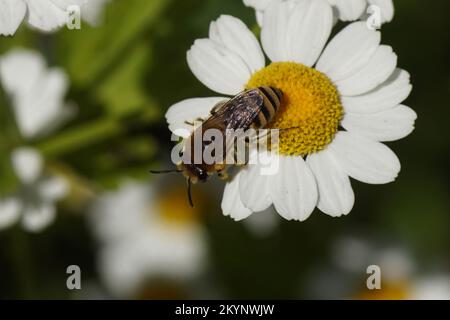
350, 82
262, 224
34, 202
92, 11
434, 287
355, 254
143, 235
36, 92
401, 277
44, 15
345, 10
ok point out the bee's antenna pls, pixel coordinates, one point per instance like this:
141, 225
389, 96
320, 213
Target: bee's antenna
189, 192
164, 171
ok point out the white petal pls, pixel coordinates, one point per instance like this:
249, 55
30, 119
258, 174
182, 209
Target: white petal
349, 10
217, 67
388, 95
20, 70
378, 69
9, 212
37, 94
12, 13
53, 188
190, 110
274, 30
38, 216
45, 15
92, 11
231, 202
64, 4
336, 197
309, 29
365, 160
389, 125
259, 5
27, 164
349, 51
386, 9
294, 189
254, 187
296, 33
234, 35
43, 109
260, 18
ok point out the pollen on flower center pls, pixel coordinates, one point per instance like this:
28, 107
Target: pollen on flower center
311, 111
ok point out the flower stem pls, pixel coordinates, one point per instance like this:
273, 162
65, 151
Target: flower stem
80, 137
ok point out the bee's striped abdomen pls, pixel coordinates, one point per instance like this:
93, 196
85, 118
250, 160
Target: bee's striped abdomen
271, 104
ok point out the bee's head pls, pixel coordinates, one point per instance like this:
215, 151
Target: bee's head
193, 173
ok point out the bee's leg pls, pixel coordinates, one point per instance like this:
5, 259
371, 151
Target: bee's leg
261, 134
223, 175
236, 157
259, 141
221, 170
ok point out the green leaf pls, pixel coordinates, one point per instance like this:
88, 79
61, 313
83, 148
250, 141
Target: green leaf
8, 180
122, 93
89, 52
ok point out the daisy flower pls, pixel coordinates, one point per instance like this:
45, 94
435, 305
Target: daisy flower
36, 92
44, 15
34, 202
144, 235
341, 101
345, 10
400, 277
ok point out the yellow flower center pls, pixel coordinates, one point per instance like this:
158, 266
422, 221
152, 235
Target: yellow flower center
174, 208
311, 111
389, 291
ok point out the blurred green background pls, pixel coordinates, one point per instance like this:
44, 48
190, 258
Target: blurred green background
124, 75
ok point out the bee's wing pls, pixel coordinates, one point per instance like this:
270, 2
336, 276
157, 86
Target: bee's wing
218, 106
244, 109
234, 116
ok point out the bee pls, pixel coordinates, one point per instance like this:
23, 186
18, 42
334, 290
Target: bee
253, 108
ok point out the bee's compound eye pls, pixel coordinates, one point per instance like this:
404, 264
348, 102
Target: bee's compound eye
202, 175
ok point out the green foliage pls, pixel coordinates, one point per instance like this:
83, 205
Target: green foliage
123, 93
92, 51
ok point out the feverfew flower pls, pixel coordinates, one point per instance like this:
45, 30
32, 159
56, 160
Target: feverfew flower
36, 92
400, 274
345, 10
45, 15
34, 202
145, 235
350, 82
